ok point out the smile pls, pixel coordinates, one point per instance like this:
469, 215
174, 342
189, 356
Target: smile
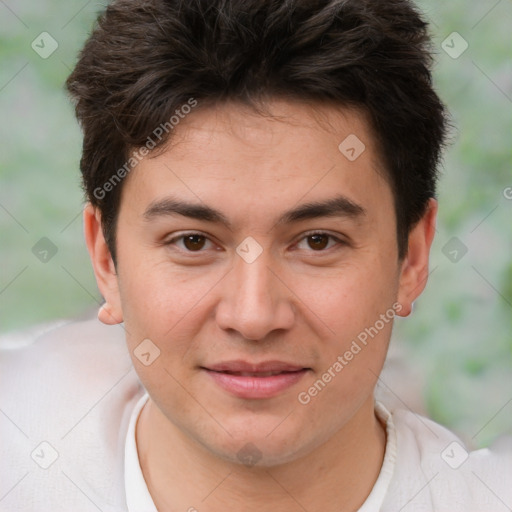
252, 383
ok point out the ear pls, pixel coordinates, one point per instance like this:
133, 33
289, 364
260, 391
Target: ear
104, 270
414, 270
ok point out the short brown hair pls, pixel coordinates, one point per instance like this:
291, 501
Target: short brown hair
145, 59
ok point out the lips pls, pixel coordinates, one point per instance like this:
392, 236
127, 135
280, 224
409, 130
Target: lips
255, 374
255, 381
259, 369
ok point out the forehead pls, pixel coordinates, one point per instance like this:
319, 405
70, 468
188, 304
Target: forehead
247, 162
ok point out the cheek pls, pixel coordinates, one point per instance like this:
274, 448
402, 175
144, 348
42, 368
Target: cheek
349, 368
160, 300
351, 298
356, 306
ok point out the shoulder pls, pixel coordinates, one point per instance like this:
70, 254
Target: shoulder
66, 394
436, 471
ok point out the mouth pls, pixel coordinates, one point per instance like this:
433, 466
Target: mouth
255, 381
256, 374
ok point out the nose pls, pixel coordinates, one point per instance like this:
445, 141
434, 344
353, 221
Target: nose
254, 300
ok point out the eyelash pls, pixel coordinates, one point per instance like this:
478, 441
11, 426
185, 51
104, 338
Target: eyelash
338, 241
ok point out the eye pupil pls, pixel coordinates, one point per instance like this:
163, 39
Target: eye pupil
194, 242
319, 241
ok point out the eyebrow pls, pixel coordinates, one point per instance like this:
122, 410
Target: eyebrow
339, 206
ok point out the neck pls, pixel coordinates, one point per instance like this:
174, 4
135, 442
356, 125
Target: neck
337, 475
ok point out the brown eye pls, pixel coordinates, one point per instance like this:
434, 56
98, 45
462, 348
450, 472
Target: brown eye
194, 242
318, 242
188, 243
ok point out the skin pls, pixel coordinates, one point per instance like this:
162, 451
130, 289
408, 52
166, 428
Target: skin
295, 303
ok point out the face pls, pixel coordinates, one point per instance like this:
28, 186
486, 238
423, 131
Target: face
261, 263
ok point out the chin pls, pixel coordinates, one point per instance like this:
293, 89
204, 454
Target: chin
254, 447
249, 454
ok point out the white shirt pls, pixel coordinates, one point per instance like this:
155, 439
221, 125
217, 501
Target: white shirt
138, 498
70, 399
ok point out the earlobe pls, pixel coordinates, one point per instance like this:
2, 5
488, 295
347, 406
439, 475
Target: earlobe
107, 316
104, 270
414, 271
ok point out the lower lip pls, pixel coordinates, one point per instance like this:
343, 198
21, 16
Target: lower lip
256, 387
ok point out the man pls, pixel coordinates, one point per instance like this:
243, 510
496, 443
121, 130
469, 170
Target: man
260, 179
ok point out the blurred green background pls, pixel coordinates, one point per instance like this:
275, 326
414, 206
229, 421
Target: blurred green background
458, 342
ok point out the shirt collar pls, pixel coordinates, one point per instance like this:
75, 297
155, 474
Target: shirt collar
138, 498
